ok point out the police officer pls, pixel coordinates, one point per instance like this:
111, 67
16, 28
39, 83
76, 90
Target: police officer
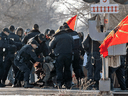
10, 55
12, 34
42, 48
33, 33
23, 57
62, 44
6, 45
76, 51
94, 62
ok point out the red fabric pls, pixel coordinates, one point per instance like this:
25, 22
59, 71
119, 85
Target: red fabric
71, 22
117, 36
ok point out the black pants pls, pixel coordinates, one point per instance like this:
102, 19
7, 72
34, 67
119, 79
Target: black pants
93, 70
63, 72
7, 64
23, 68
120, 73
76, 65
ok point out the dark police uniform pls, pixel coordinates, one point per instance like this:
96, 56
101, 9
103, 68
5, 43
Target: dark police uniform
10, 56
94, 61
62, 43
42, 48
76, 50
6, 45
30, 35
23, 57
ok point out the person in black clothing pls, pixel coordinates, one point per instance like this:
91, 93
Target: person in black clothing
76, 51
33, 33
94, 61
23, 56
12, 34
41, 51
42, 48
82, 52
10, 55
62, 44
6, 46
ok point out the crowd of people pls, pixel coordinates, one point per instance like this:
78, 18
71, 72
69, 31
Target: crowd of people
53, 54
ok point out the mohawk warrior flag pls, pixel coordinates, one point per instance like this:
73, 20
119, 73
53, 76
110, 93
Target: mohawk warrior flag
117, 36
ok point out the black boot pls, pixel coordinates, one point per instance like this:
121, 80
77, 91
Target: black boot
2, 85
96, 85
59, 85
27, 85
68, 85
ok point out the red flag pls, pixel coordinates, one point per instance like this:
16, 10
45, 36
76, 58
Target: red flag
71, 22
117, 36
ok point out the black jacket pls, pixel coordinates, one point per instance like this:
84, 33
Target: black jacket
26, 53
42, 48
8, 44
14, 37
91, 47
30, 35
61, 43
76, 39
